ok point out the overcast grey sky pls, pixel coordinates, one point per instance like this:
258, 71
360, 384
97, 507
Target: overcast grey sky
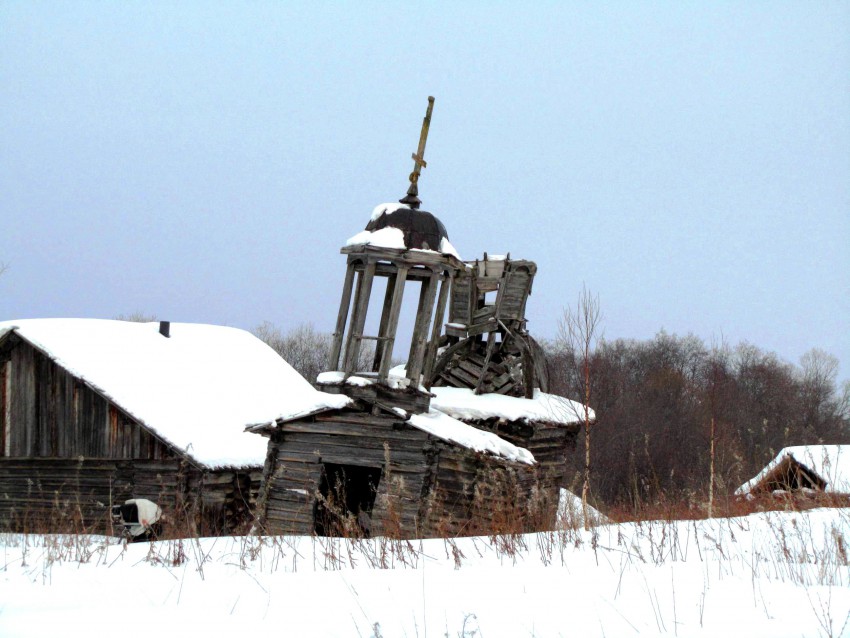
204, 162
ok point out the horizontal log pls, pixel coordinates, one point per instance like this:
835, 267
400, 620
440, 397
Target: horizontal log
405, 435
372, 455
415, 442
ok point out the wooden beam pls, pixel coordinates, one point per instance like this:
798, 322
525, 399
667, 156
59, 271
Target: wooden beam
341, 318
392, 321
491, 341
358, 320
381, 344
431, 352
420, 330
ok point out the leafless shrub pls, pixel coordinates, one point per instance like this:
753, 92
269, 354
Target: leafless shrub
137, 317
579, 332
306, 349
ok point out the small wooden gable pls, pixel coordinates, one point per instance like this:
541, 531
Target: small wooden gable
823, 468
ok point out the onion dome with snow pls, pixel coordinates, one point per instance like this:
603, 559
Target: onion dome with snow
400, 244
400, 227
403, 226
421, 229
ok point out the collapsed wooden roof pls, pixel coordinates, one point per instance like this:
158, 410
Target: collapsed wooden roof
818, 467
488, 346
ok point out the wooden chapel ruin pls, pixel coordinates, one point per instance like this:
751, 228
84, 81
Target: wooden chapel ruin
461, 439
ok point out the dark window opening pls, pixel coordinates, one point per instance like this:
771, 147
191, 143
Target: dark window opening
347, 497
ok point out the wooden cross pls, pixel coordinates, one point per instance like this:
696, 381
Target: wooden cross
419, 156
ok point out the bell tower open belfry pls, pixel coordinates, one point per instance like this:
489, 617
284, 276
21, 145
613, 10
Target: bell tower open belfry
410, 248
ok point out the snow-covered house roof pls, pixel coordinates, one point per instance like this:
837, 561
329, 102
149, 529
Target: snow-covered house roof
450, 407
438, 423
829, 463
196, 389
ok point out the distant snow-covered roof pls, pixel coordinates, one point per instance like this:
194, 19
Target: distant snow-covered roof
197, 389
829, 462
462, 403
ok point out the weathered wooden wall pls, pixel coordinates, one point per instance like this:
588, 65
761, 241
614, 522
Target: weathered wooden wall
428, 487
50, 413
298, 449
75, 495
67, 454
475, 494
548, 442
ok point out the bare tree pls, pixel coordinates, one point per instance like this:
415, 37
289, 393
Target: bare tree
655, 401
579, 333
844, 401
818, 377
304, 348
137, 317
717, 364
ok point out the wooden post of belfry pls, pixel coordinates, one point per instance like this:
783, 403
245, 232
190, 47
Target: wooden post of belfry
412, 197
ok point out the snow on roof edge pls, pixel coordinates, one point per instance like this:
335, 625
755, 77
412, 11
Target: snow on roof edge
464, 404
452, 430
45, 350
261, 425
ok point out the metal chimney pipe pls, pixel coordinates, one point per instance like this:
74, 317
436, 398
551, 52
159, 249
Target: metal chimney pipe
165, 328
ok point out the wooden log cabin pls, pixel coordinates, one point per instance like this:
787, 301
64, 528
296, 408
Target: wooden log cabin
366, 471
94, 412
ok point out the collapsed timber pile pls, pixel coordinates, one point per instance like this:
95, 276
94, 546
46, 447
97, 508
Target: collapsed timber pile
487, 345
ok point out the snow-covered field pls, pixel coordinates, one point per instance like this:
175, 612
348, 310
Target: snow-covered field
771, 574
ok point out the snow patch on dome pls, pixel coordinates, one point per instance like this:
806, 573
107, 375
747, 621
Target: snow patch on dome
387, 237
382, 209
